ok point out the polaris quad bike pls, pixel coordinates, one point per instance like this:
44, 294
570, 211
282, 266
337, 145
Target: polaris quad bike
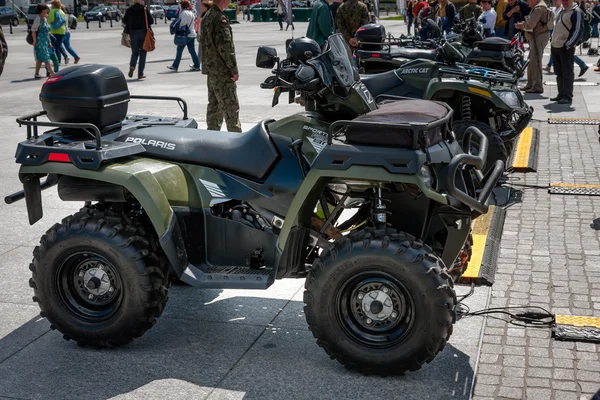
377, 54
166, 200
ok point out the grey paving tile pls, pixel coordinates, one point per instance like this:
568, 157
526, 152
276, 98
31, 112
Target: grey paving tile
183, 358
324, 378
21, 325
253, 307
14, 267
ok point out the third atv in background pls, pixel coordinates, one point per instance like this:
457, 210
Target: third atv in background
486, 98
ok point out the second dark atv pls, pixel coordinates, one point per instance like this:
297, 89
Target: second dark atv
165, 200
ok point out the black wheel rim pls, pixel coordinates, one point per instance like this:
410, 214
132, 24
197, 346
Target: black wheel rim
89, 286
375, 309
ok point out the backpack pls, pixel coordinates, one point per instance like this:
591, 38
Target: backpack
59, 20
549, 19
72, 22
176, 29
587, 26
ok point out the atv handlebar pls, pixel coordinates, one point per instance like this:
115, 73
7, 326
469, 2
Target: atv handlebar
478, 161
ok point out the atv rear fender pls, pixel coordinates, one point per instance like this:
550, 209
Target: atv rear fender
154, 184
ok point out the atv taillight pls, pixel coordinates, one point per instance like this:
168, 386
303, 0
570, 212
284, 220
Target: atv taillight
52, 79
59, 157
375, 55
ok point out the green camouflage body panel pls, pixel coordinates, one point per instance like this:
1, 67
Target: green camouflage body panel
312, 186
157, 185
350, 16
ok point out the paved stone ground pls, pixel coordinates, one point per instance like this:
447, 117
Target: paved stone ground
246, 344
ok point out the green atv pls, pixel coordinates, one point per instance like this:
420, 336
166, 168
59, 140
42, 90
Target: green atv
485, 98
165, 200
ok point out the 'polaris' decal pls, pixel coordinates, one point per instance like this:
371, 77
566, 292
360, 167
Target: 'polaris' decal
318, 139
152, 142
414, 70
214, 189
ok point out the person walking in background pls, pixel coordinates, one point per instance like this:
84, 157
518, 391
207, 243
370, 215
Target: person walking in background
334, 7
515, 12
186, 25
566, 36
136, 26
40, 30
205, 5
58, 27
583, 67
320, 26
537, 31
487, 19
596, 18
350, 16
280, 14
221, 69
500, 26
446, 12
471, 10
410, 17
71, 21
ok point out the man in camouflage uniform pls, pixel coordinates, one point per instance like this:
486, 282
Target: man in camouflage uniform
351, 15
220, 66
3, 50
471, 10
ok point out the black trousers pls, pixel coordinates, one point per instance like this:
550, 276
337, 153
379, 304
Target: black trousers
563, 61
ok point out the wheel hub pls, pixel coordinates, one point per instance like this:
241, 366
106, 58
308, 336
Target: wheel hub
97, 281
377, 305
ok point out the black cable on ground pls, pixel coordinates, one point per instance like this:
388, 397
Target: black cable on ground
527, 318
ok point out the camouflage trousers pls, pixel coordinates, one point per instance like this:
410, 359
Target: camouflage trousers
222, 103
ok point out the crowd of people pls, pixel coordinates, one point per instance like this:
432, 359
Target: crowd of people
568, 24
51, 37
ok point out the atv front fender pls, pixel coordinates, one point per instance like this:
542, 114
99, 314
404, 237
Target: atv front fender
436, 87
154, 184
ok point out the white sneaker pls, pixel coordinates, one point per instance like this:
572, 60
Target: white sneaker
66, 60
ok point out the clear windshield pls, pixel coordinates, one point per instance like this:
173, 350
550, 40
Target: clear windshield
335, 64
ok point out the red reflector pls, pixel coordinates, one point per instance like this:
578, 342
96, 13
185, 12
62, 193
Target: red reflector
59, 157
375, 55
52, 79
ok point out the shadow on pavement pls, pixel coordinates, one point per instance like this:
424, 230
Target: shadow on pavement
194, 358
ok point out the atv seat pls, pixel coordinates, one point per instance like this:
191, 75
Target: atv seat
413, 54
249, 154
381, 83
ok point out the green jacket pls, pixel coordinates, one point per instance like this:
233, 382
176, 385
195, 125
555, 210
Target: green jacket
51, 16
350, 16
218, 50
320, 26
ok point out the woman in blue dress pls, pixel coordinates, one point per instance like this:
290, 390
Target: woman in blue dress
41, 40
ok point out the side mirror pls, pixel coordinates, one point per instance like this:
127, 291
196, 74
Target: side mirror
452, 53
433, 26
266, 57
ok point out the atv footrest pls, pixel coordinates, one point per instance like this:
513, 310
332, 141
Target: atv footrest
229, 277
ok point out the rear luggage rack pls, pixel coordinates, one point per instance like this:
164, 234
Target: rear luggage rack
83, 154
55, 145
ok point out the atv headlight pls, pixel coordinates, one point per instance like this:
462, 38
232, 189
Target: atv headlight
427, 176
509, 98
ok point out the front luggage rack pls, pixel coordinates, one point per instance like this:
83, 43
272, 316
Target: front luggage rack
416, 129
468, 71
